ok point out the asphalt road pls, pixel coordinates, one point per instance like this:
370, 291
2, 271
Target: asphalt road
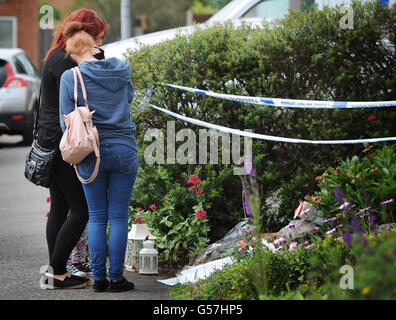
23, 248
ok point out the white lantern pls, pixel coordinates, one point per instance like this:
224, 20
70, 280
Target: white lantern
148, 258
138, 233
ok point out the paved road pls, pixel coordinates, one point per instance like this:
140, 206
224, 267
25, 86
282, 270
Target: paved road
23, 248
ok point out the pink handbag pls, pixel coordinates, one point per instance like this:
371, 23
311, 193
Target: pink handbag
81, 137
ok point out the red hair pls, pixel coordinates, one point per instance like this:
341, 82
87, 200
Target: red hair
94, 25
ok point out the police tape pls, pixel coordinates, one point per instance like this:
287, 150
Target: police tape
263, 136
288, 103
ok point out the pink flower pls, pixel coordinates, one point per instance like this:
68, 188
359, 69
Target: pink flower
138, 219
199, 191
279, 248
140, 209
277, 241
387, 201
293, 246
191, 188
166, 201
48, 199
330, 231
47, 214
192, 179
153, 207
339, 226
371, 118
310, 246
201, 214
241, 243
331, 219
365, 209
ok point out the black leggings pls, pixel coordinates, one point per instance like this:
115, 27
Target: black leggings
63, 230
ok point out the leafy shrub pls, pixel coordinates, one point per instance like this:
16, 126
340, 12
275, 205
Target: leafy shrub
369, 181
304, 56
178, 235
301, 273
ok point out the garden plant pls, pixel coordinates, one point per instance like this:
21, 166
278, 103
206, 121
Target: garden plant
308, 56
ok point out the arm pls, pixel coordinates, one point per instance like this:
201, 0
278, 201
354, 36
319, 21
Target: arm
66, 99
131, 92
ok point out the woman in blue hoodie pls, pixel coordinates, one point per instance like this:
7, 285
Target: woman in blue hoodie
110, 94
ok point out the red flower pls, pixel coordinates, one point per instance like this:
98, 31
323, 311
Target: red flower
48, 199
153, 207
191, 188
47, 214
198, 182
192, 179
138, 219
201, 214
199, 191
140, 209
372, 118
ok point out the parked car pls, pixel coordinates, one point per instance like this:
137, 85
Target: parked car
250, 11
19, 93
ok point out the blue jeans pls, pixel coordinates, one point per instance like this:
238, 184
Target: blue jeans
108, 198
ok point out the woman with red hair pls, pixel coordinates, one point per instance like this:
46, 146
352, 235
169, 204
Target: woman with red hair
63, 230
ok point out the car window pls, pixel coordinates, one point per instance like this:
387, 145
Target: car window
3, 73
276, 8
268, 9
27, 64
20, 68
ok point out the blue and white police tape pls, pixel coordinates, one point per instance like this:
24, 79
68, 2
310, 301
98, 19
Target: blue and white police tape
263, 136
289, 103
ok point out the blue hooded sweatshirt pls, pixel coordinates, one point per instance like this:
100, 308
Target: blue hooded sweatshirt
109, 93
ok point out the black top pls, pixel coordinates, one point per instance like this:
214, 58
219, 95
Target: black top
49, 130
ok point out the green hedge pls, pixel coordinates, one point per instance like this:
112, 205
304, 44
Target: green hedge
305, 56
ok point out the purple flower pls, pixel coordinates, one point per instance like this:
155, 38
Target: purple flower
358, 230
387, 201
314, 229
246, 205
293, 246
279, 248
347, 238
310, 246
338, 195
373, 225
331, 219
249, 166
291, 225
339, 226
330, 231
365, 209
346, 205
277, 241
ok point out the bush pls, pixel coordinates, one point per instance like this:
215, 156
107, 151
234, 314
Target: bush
178, 236
301, 273
366, 182
305, 56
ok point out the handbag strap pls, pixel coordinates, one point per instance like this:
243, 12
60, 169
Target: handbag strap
97, 154
89, 125
35, 133
76, 71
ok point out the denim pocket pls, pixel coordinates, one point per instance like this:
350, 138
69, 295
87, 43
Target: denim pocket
128, 162
87, 166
